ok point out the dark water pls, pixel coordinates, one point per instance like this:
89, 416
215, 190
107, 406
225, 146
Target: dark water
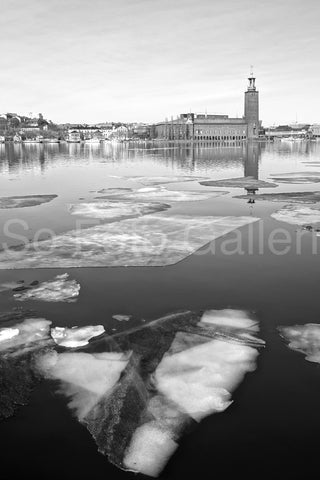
273, 426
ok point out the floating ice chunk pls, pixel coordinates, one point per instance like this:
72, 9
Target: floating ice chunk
200, 379
107, 209
32, 333
162, 180
149, 450
172, 195
121, 318
241, 182
75, 336
230, 318
296, 215
25, 201
8, 333
60, 289
85, 377
304, 339
152, 240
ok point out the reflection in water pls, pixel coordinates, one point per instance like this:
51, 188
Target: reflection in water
15, 157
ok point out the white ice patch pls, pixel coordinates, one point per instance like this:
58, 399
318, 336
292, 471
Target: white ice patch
297, 215
121, 317
304, 339
170, 196
75, 336
230, 318
85, 377
149, 450
8, 333
162, 180
152, 240
107, 209
60, 289
25, 336
200, 379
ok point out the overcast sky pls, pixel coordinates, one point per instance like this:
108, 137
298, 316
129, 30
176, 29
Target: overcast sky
145, 60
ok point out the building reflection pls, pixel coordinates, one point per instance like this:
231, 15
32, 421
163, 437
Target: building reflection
243, 158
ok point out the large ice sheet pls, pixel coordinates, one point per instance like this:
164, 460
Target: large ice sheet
60, 289
75, 336
109, 209
152, 240
304, 339
297, 215
25, 201
85, 377
148, 385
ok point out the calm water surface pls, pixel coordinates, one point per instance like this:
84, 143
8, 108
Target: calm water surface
273, 426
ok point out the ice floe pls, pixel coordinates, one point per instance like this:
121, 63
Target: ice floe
137, 401
169, 196
146, 388
162, 180
60, 289
152, 240
121, 317
304, 339
30, 334
85, 377
107, 209
75, 336
290, 197
242, 182
296, 215
25, 201
297, 177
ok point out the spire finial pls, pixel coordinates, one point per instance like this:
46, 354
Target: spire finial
251, 70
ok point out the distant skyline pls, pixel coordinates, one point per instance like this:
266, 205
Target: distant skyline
141, 60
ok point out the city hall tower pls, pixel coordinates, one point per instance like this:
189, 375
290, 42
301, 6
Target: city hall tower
251, 108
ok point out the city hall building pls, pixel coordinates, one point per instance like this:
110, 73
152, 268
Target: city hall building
219, 128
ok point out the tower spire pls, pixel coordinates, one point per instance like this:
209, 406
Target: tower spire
252, 80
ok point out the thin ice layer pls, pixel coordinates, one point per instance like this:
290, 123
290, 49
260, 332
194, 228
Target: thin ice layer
297, 215
241, 182
75, 336
60, 289
153, 240
304, 339
297, 177
25, 201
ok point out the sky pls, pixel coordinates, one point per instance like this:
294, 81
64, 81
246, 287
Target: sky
147, 60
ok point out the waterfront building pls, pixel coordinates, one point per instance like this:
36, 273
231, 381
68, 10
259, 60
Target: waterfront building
221, 128
315, 130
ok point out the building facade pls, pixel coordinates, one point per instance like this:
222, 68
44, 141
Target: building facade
218, 128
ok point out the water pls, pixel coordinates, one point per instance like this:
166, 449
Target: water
272, 427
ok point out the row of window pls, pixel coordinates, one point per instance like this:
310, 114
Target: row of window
220, 138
